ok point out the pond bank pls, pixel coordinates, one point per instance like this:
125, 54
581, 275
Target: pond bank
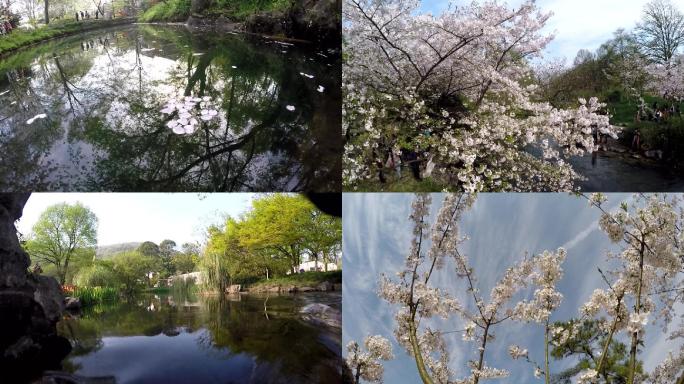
27, 38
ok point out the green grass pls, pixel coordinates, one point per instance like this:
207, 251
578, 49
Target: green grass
306, 279
240, 10
94, 295
171, 10
407, 183
21, 38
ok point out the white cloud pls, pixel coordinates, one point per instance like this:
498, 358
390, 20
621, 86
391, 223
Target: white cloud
578, 23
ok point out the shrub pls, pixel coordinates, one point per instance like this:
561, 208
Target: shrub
94, 295
172, 10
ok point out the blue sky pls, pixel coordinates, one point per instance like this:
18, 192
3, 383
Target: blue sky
577, 23
137, 217
501, 227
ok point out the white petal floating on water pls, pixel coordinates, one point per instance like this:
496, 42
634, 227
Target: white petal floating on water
36, 117
12, 103
306, 75
4, 92
234, 67
290, 108
320, 88
198, 54
178, 129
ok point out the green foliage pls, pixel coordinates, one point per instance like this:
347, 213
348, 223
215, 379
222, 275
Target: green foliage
62, 234
95, 295
100, 274
242, 9
20, 37
132, 269
306, 279
587, 345
268, 241
170, 10
149, 248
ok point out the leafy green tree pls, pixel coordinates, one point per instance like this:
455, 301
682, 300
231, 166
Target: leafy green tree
279, 223
133, 269
325, 237
149, 248
63, 232
99, 274
166, 253
186, 260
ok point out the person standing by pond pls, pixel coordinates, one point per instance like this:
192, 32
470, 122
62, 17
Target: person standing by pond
636, 140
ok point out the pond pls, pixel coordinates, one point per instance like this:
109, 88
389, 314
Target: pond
232, 339
163, 108
611, 172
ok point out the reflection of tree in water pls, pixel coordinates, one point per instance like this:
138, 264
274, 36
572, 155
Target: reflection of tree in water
241, 327
38, 83
282, 345
108, 98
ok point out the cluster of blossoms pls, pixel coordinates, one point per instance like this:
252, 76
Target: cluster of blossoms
461, 103
667, 80
516, 352
366, 365
587, 377
670, 370
546, 298
189, 112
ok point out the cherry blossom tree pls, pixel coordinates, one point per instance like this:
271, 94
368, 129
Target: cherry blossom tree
366, 365
667, 80
457, 91
644, 284
647, 281
418, 300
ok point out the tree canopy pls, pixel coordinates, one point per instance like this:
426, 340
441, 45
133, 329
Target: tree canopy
63, 232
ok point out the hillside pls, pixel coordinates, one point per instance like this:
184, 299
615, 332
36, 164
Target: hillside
106, 251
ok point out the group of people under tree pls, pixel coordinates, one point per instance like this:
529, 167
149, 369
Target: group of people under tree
86, 15
657, 112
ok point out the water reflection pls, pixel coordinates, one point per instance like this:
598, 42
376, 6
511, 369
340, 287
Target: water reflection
85, 113
215, 339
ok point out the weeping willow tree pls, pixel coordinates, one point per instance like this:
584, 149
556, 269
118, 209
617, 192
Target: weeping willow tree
214, 265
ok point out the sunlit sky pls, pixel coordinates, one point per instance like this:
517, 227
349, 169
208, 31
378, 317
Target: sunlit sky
578, 23
138, 217
501, 227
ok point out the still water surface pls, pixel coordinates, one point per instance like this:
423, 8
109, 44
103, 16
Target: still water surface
161, 108
232, 339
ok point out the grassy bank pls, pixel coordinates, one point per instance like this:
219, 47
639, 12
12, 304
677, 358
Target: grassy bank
95, 295
172, 10
306, 279
240, 10
23, 38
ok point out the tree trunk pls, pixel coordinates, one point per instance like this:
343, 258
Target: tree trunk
47, 16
